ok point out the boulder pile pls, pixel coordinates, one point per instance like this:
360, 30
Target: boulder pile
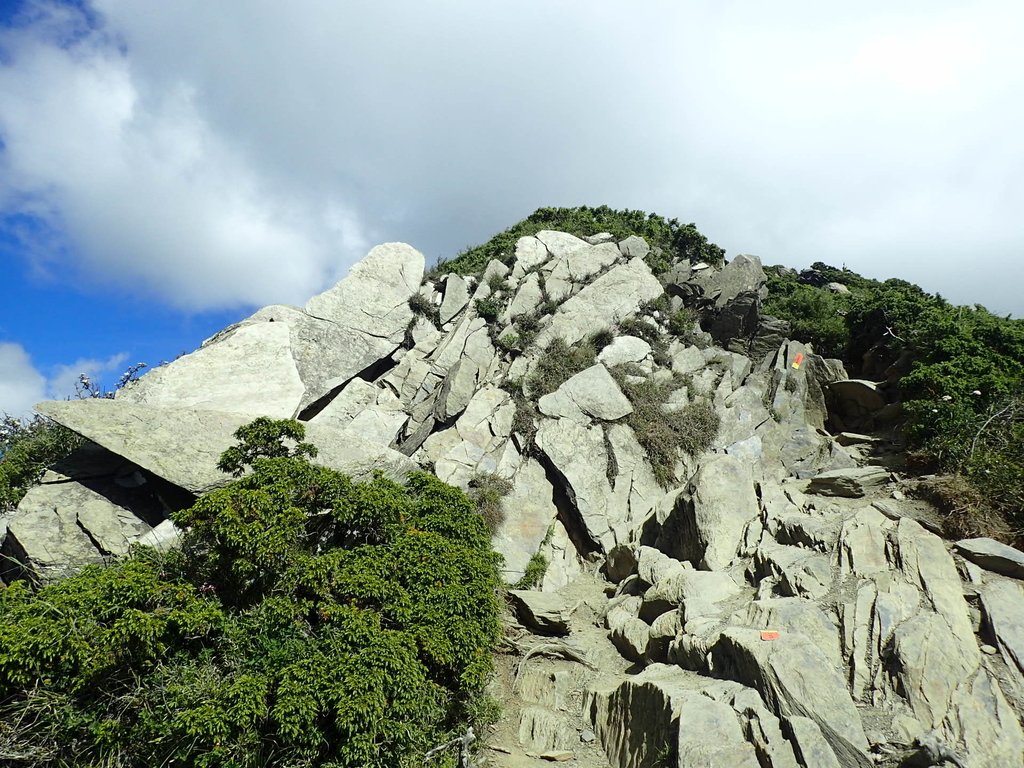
778, 607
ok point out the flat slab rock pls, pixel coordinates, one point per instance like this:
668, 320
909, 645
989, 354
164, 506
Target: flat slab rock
183, 445
544, 612
852, 483
591, 393
993, 556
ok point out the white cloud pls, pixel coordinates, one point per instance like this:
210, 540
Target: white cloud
218, 153
103, 375
21, 385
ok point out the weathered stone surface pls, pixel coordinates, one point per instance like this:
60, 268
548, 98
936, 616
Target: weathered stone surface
250, 369
852, 483
660, 708
577, 265
457, 390
860, 549
620, 563
608, 299
630, 635
743, 274
590, 393
282, 359
710, 736
61, 526
796, 614
544, 612
670, 592
530, 253
561, 244
456, 297
528, 512
688, 360
578, 454
810, 745
857, 397
1003, 605
183, 445
993, 556
795, 678
797, 572
634, 247
624, 349
722, 500
366, 411
162, 537
374, 297
528, 297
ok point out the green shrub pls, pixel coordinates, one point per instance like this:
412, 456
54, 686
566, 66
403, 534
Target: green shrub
510, 342
307, 620
662, 433
534, 573
537, 566
673, 240
960, 373
558, 364
602, 338
681, 324
27, 448
642, 329
486, 491
422, 306
488, 309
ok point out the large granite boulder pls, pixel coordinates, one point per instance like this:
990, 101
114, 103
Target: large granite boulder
283, 359
183, 445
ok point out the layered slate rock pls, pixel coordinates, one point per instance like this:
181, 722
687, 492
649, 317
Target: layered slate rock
591, 393
283, 359
993, 556
92, 507
795, 679
665, 710
183, 446
611, 297
721, 502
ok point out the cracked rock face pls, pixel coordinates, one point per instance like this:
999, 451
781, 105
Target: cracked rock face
776, 606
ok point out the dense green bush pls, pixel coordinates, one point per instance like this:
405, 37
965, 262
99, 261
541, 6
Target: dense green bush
308, 620
662, 433
960, 373
557, 364
27, 448
676, 241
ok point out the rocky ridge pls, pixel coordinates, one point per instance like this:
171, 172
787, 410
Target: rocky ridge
778, 603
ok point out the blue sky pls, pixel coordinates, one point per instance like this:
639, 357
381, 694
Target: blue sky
167, 167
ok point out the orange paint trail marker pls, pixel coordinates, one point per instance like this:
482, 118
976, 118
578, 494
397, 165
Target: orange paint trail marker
769, 634
798, 359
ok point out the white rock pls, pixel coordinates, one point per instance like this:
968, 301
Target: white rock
624, 349
590, 393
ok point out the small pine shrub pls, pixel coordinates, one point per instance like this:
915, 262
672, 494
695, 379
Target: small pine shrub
558, 364
488, 309
422, 306
642, 329
662, 433
307, 620
601, 339
670, 240
27, 448
487, 491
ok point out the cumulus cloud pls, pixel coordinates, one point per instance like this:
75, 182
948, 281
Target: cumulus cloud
102, 376
223, 153
21, 385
